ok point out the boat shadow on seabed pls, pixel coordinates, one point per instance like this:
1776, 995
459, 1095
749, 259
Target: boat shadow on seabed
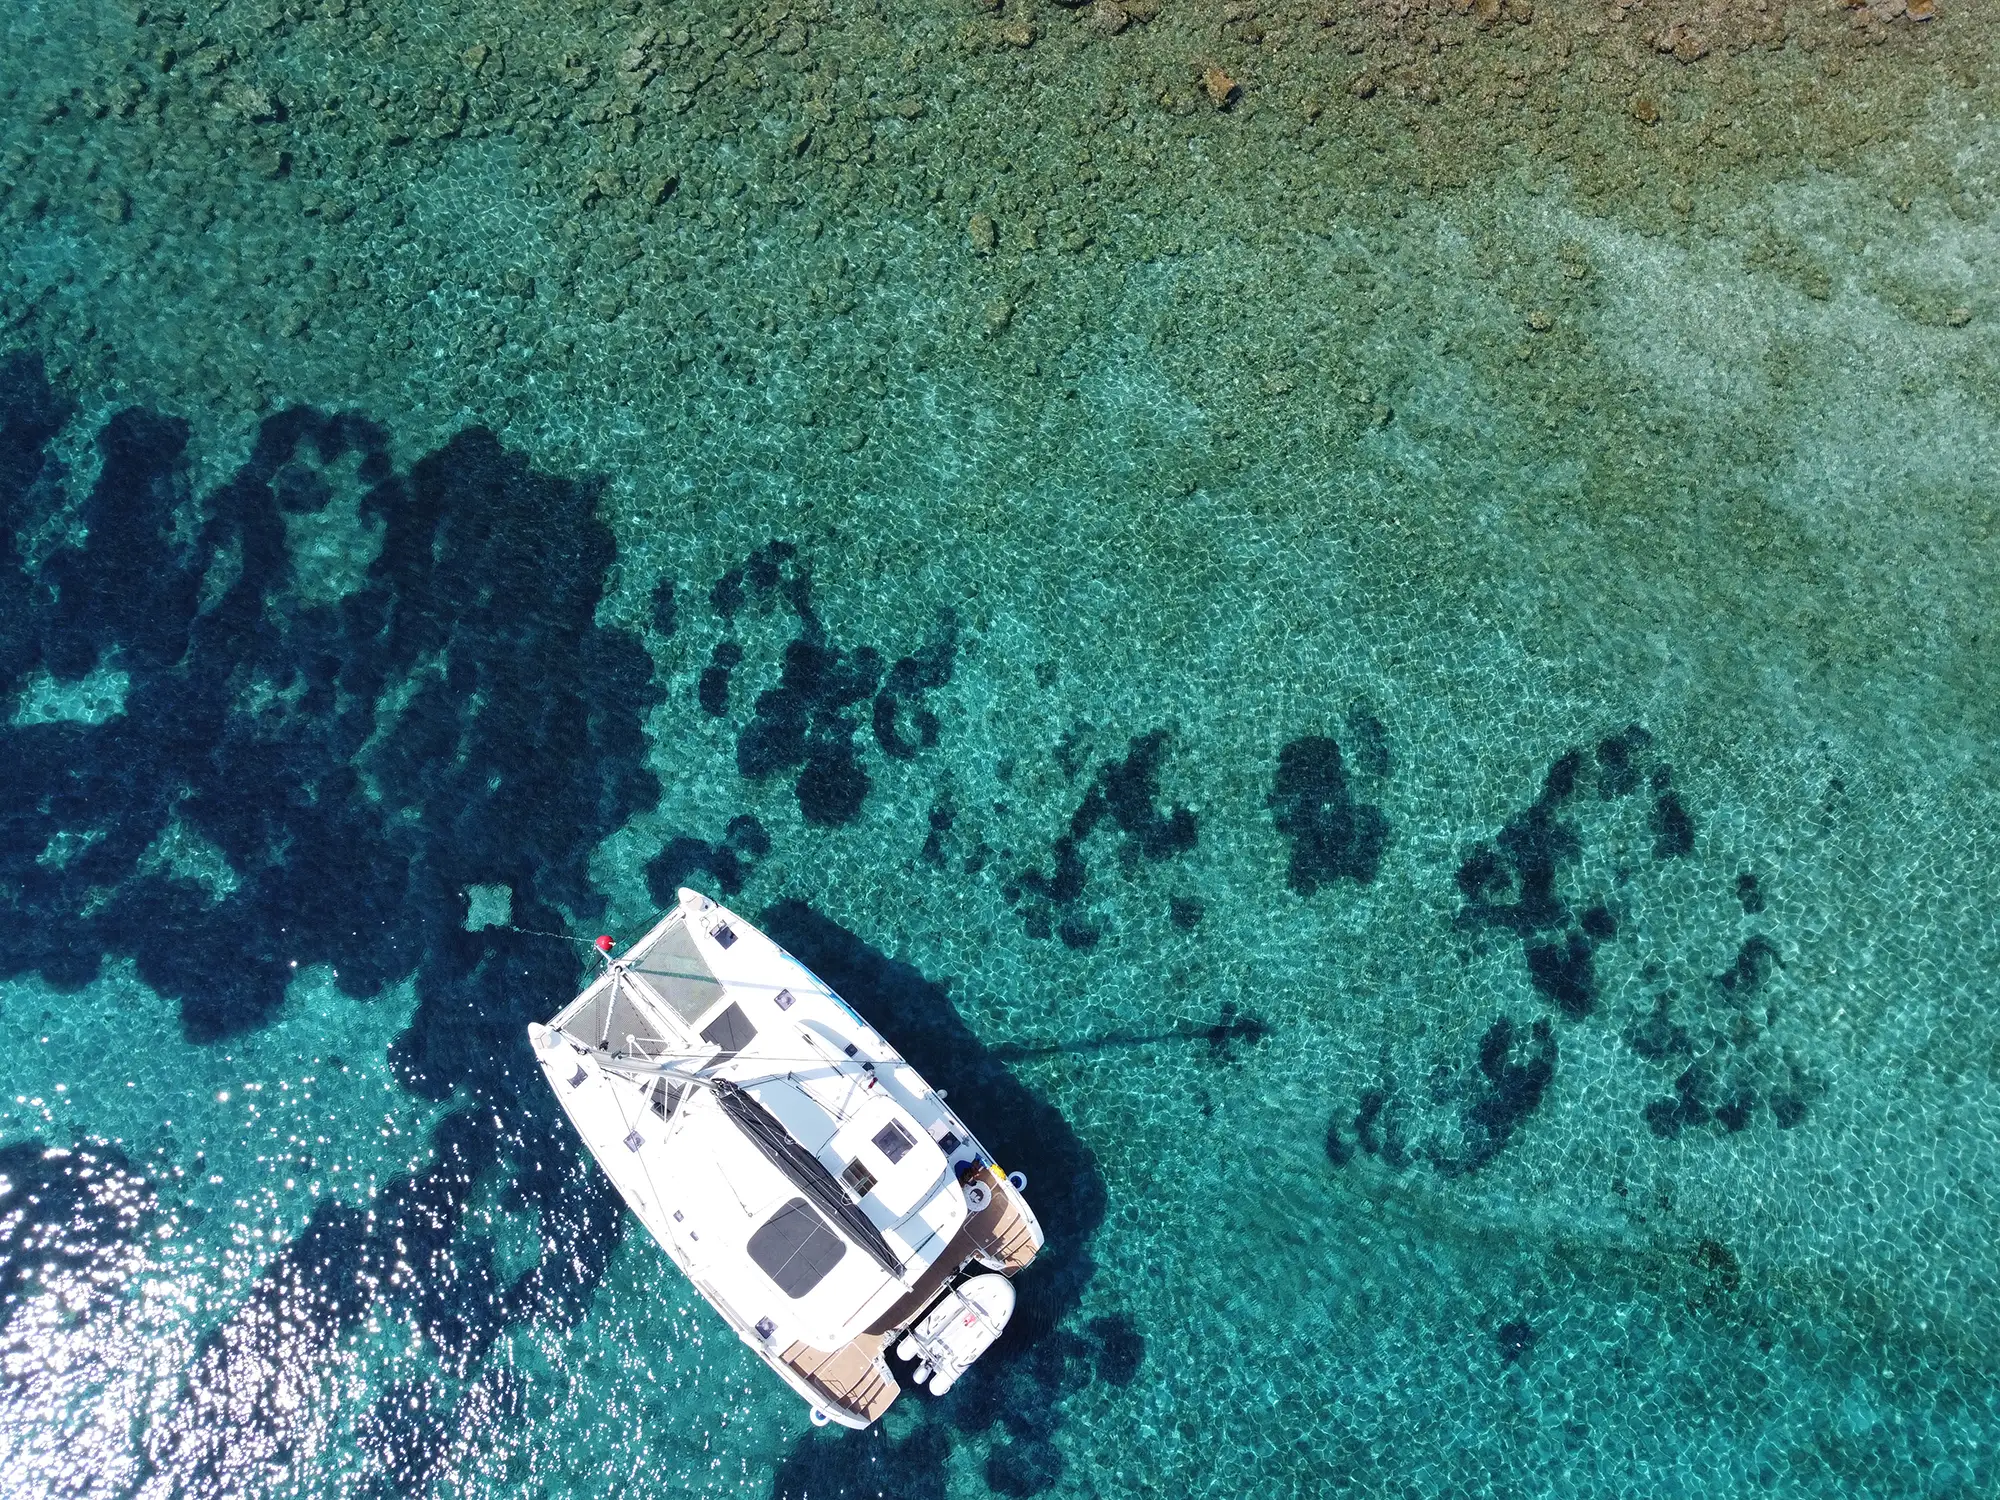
252, 721
1020, 1384
253, 703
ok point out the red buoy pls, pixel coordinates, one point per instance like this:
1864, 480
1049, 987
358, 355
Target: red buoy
604, 942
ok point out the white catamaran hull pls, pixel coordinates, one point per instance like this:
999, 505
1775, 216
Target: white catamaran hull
814, 1187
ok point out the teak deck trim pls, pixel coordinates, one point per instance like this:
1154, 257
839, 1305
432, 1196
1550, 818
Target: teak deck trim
856, 1377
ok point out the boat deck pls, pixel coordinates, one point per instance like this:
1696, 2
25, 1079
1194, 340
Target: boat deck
856, 1378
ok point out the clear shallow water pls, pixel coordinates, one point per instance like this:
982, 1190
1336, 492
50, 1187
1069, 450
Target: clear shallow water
1444, 1114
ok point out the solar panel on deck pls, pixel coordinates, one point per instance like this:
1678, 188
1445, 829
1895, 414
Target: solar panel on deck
795, 1248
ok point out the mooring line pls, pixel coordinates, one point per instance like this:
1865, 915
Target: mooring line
565, 937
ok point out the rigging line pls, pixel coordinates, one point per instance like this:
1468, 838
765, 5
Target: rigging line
1006, 1052
638, 966
670, 1127
807, 1173
676, 1123
666, 1134
647, 1068
632, 1127
834, 1063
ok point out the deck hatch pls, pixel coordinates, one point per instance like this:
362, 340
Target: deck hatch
795, 1248
731, 1031
893, 1141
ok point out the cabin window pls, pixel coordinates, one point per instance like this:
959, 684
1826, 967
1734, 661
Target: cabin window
666, 1096
795, 1248
859, 1178
894, 1142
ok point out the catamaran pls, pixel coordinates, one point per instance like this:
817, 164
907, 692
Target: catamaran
817, 1191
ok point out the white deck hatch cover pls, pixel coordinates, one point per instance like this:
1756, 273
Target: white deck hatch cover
795, 1248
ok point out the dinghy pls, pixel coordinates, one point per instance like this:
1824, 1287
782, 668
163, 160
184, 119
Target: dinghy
960, 1328
814, 1187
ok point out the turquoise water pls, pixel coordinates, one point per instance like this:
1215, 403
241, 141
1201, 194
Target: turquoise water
1392, 683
